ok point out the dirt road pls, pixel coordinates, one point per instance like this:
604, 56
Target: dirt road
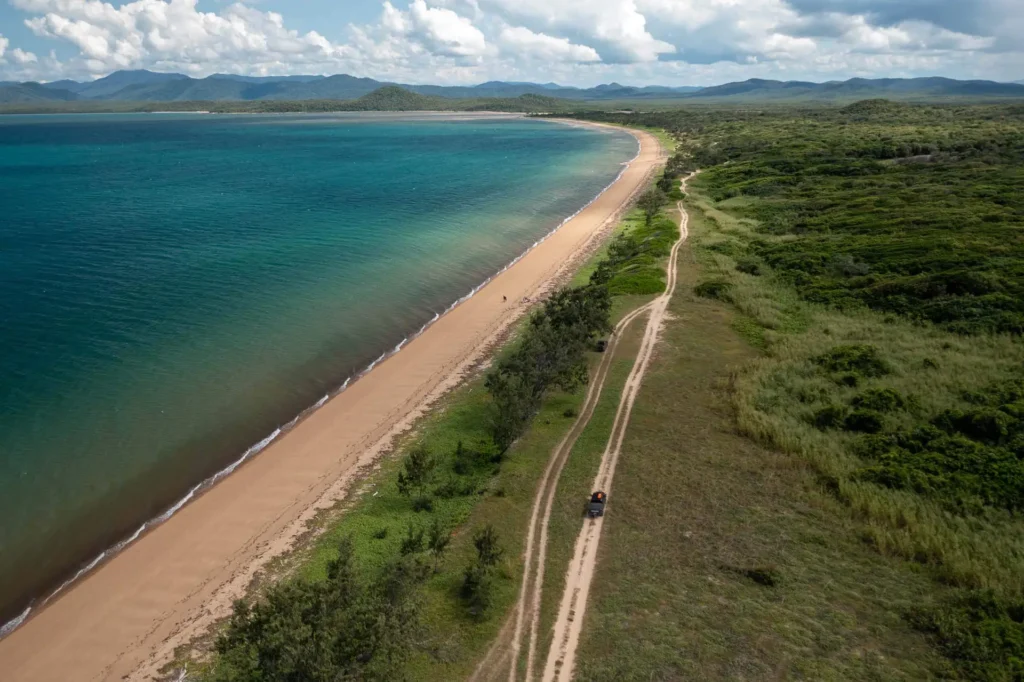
505, 652
562, 654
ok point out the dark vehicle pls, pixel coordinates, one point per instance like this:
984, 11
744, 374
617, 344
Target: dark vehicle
600, 345
596, 506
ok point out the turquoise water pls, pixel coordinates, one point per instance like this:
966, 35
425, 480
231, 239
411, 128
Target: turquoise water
175, 288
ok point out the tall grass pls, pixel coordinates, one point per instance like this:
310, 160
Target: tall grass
778, 396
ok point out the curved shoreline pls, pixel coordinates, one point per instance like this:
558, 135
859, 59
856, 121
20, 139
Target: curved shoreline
135, 642
200, 488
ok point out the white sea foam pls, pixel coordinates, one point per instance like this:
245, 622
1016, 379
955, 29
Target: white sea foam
13, 624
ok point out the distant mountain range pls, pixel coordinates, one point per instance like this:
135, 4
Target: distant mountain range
861, 88
147, 86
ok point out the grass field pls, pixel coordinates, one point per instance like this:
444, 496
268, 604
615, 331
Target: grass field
725, 560
871, 255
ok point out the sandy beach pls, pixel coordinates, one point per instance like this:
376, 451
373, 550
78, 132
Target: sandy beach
124, 620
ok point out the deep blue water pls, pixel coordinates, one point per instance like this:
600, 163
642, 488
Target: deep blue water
175, 287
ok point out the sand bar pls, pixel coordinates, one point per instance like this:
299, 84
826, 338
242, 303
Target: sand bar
123, 620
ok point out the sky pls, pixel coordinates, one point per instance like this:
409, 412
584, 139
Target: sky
571, 42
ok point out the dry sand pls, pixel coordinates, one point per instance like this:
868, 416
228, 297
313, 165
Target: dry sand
124, 620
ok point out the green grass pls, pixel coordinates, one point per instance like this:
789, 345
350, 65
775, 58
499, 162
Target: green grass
724, 560
936, 511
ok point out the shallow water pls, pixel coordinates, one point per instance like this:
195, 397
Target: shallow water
173, 288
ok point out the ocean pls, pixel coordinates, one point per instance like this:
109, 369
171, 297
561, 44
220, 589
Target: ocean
174, 289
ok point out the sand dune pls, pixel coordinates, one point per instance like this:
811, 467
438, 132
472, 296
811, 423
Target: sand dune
124, 620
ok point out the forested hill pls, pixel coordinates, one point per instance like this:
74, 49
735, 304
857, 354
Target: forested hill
148, 86
388, 98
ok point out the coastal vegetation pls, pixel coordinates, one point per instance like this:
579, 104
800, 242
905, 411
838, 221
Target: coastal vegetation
424, 553
871, 255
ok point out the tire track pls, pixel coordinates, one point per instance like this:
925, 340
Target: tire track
562, 653
509, 641
505, 650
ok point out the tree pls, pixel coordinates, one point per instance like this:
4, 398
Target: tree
416, 471
650, 202
340, 628
477, 589
413, 541
438, 541
488, 551
552, 352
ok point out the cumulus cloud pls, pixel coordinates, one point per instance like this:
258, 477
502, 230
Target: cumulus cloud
520, 41
615, 28
441, 31
465, 41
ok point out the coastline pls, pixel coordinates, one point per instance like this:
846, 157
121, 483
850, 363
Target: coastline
202, 486
180, 571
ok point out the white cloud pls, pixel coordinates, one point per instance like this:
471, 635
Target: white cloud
22, 57
522, 42
441, 31
616, 29
581, 42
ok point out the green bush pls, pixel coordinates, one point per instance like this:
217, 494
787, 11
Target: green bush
749, 266
640, 282
339, 628
830, 417
715, 288
858, 360
477, 590
865, 421
982, 633
880, 400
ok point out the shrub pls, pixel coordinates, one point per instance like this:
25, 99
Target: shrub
423, 503
413, 540
865, 421
551, 353
380, 533
767, 577
640, 282
437, 541
416, 471
454, 488
986, 424
860, 359
463, 460
749, 266
488, 549
338, 628
715, 288
830, 417
477, 590
982, 633
880, 400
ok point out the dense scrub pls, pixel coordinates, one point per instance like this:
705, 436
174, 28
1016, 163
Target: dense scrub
875, 254
908, 210
633, 264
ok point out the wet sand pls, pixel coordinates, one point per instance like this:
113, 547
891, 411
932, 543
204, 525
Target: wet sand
124, 620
